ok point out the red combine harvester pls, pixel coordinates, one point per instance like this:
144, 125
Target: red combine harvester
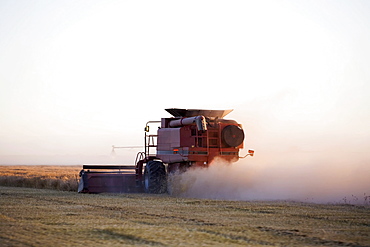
191, 138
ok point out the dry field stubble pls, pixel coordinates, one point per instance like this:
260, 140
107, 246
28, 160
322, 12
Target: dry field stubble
34, 217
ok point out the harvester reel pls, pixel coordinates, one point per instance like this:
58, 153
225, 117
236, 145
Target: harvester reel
155, 180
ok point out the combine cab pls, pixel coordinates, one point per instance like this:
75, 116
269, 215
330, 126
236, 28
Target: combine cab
191, 138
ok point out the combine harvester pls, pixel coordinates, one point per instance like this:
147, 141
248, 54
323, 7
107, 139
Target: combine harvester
191, 138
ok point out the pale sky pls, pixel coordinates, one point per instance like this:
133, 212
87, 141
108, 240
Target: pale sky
79, 76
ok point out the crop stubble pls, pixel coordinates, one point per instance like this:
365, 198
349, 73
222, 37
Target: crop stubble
34, 217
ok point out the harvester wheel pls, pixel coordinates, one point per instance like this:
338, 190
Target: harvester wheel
155, 181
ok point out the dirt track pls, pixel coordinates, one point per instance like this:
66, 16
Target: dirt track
36, 217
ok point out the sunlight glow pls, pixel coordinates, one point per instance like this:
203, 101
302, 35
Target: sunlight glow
92, 73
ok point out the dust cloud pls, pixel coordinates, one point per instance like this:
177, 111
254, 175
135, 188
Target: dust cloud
305, 151
326, 180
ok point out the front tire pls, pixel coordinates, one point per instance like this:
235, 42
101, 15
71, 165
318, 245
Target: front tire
155, 180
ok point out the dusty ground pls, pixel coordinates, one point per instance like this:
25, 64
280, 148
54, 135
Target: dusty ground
41, 217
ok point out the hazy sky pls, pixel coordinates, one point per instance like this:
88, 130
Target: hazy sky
79, 76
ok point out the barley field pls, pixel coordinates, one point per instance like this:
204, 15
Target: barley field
60, 217
41, 177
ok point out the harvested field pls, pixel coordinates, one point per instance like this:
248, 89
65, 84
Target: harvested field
57, 216
40, 217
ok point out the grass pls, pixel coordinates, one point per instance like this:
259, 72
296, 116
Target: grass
41, 177
34, 217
